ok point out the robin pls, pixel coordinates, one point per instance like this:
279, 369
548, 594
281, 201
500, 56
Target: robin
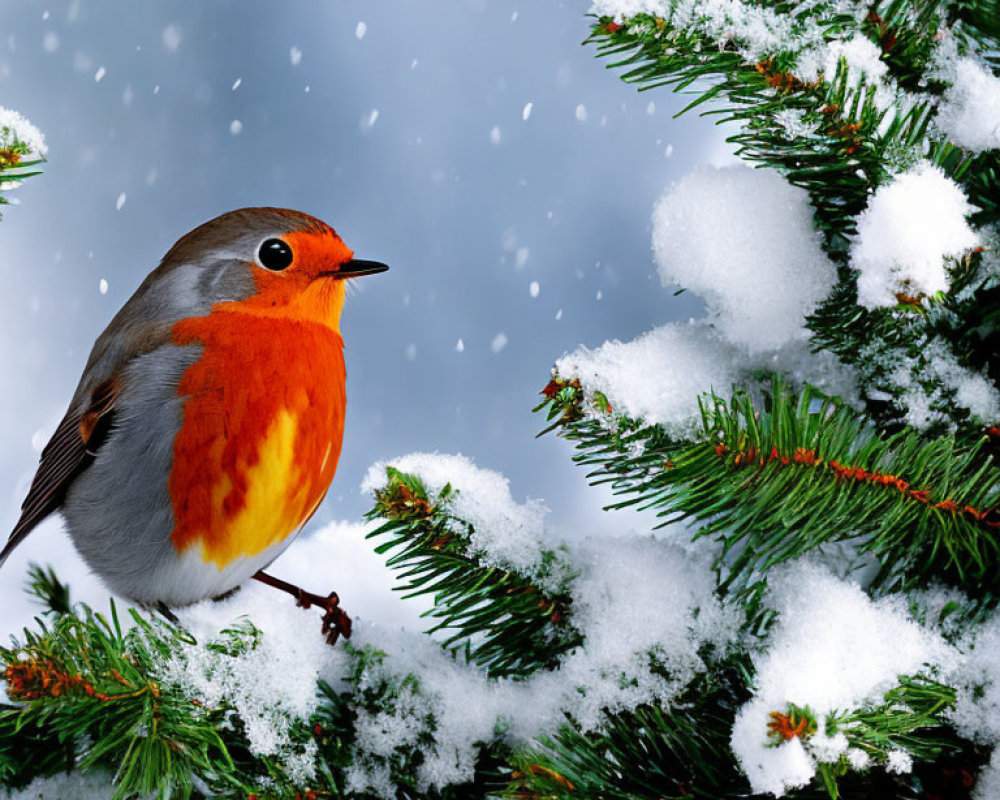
207, 426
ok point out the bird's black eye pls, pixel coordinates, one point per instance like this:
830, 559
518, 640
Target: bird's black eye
275, 255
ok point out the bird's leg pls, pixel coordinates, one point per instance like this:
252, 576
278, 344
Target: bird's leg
336, 623
167, 614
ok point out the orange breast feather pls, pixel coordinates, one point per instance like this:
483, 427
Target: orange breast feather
263, 424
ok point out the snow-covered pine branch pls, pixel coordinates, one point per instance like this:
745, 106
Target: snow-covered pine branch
22, 150
831, 629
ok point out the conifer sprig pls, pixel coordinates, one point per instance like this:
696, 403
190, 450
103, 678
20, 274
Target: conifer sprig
777, 477
681, 751
497, 617
829, 136
840, 137
22, 151
87, 699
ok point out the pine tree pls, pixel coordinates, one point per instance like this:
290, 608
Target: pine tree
827, 435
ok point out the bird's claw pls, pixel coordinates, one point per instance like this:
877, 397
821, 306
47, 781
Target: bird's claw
336, 623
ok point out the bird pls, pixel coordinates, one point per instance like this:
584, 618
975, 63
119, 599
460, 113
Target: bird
207, 425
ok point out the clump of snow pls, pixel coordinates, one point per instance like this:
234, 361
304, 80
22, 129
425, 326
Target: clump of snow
771, 770
927, 388
659, 376
899, 761
499, 342
623, 9
976, 715
828, 749
72, 786
793, 121
860, 55
648, 610
507, 534
988, 780
909, 227
744, 239
16, 127
756, 29
977, 707
447, 709
829, 668
858, 759
271, 683
969, 112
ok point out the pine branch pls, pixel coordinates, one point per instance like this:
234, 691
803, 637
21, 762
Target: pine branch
829, 136
44, 586
683, 751
87, 700
913, 718
839, 138
91, 697
497, 617
18, 157
776, 479
651, 752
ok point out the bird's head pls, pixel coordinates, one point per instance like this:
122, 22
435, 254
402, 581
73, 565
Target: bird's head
270, 261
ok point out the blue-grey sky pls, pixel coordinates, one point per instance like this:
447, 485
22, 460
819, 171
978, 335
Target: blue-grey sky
407, 126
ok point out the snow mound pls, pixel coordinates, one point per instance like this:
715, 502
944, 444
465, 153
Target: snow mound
826, 667
969, 113
744, 240
909, 227
507, 534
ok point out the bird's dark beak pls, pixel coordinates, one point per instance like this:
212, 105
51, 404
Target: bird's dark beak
355, 268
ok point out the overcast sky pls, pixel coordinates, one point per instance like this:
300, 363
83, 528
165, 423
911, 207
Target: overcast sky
501, 170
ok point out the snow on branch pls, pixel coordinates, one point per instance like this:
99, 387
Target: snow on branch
822, 673
969, 113
22, 149
504, 534
909, 229
744, 239
645, 611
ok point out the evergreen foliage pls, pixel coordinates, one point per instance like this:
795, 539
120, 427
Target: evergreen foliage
777, 471
22, 151
778, 477
494, 617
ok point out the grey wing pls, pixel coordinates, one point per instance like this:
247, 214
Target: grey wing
69, 452
141, 326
